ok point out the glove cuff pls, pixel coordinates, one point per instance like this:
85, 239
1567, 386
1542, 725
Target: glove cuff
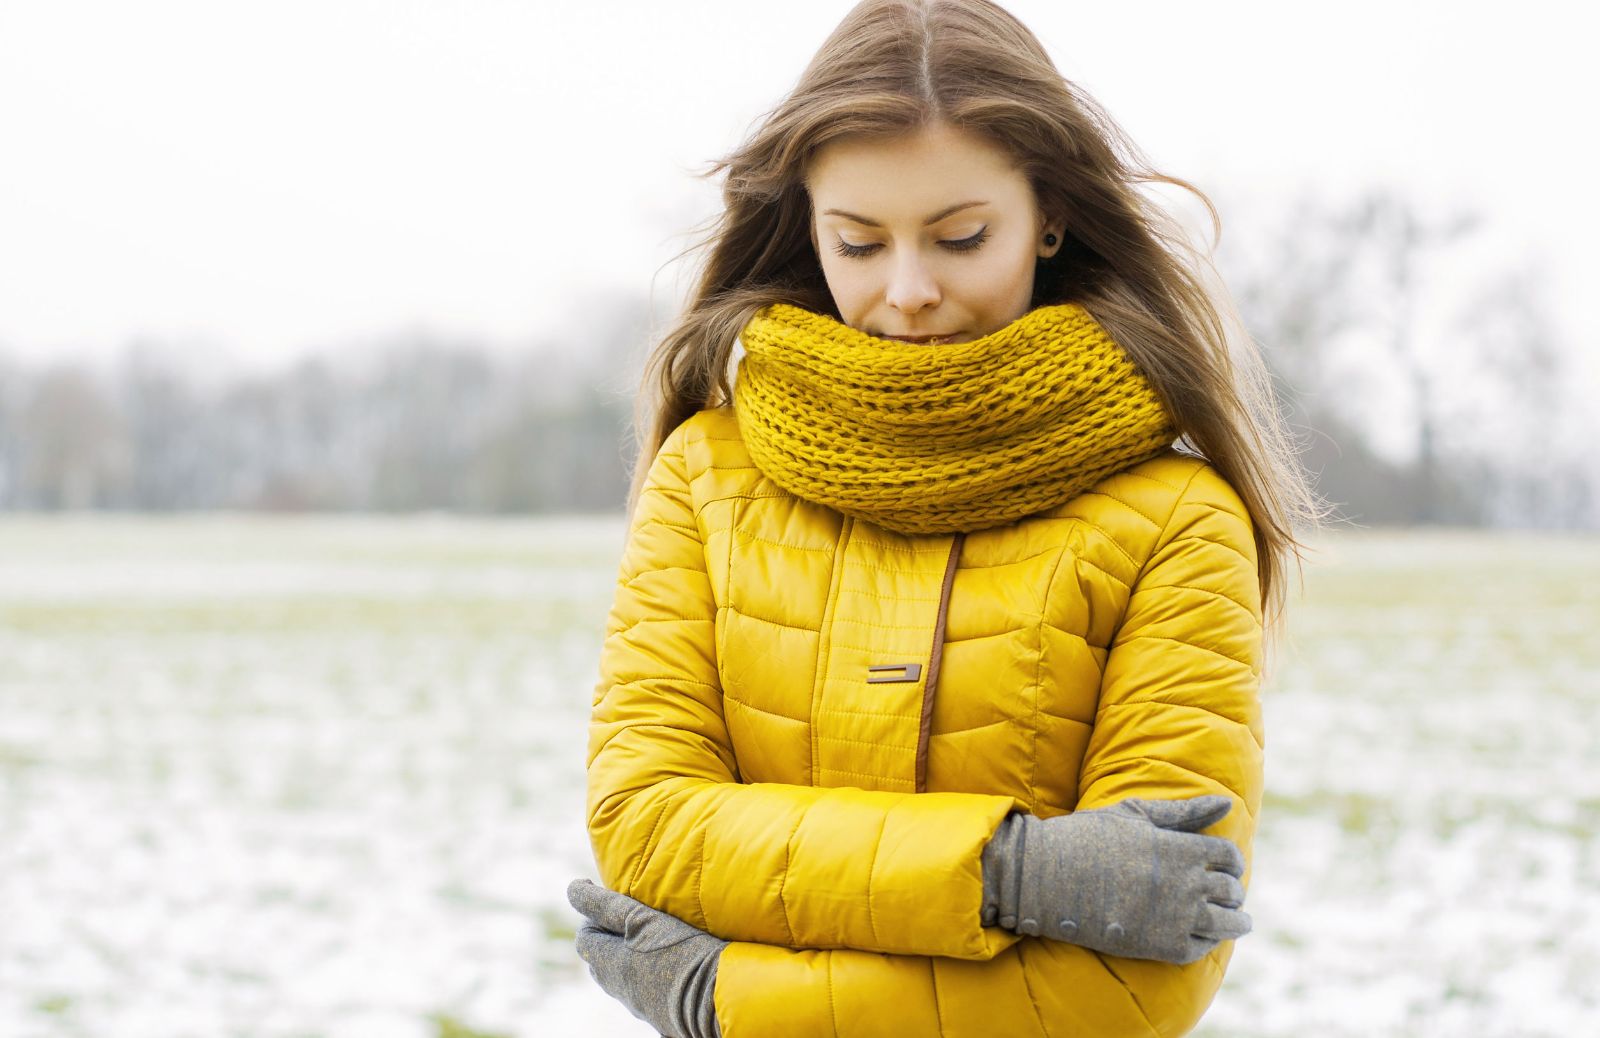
1002, 872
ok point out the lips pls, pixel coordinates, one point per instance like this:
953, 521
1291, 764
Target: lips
935, 339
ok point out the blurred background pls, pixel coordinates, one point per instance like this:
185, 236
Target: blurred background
320, 325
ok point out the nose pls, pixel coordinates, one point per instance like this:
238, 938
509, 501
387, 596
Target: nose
912, 285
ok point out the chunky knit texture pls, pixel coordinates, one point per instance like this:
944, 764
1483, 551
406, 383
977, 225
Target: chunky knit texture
924, 439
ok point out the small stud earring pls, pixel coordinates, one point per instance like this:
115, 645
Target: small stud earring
1050, 240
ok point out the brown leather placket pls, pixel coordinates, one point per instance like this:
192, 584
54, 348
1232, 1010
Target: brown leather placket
934, 659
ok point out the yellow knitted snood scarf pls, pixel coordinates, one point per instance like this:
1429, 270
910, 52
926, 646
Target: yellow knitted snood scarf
942, 438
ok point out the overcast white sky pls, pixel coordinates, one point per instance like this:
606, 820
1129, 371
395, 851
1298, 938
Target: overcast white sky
256, 180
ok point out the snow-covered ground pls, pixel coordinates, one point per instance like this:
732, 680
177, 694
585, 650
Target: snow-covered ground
324, 777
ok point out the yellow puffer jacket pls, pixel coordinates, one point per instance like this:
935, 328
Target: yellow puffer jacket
807, 727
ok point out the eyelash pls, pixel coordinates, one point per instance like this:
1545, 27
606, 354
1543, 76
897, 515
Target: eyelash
844, 248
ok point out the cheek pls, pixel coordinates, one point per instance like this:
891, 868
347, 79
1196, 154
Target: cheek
1001, 287
850, 286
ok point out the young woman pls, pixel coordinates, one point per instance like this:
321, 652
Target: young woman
933, 649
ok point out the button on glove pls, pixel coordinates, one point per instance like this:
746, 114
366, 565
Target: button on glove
1135, 879
660, 967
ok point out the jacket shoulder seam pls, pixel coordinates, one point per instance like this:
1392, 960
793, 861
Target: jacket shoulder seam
1147, 517
1136, 474
1177, 503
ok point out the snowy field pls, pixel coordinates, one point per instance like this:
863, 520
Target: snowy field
294, 778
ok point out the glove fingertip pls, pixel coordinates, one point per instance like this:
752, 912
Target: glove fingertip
1235, 925
1208, 810
578, 893
602, 905
1188, 815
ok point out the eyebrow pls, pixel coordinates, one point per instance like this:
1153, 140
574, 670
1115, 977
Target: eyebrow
935, 218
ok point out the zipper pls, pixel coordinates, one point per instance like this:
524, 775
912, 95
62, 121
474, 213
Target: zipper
935, 657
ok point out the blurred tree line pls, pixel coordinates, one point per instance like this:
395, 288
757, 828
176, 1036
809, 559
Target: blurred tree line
1488, 418
1352, 302
418, 422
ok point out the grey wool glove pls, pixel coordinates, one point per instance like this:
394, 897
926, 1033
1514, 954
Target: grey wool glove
660, 967
1136, 879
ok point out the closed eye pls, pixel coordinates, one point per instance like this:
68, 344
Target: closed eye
844, 248
968, 244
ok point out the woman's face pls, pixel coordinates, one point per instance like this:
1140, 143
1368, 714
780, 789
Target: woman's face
929, 235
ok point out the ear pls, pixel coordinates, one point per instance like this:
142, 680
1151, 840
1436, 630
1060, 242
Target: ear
1051, 226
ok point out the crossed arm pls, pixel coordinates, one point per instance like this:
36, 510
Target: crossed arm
673, 827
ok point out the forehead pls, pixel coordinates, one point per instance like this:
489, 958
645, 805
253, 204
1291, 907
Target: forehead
914, 174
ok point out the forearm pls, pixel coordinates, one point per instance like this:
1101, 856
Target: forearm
801, 866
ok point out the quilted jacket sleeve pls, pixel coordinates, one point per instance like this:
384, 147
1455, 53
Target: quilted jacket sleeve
1178, 716
669, 819
1179, 712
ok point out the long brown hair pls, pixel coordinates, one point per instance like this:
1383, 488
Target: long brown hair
894, 66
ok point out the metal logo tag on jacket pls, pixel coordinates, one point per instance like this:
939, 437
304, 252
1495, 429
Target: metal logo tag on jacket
887, 672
